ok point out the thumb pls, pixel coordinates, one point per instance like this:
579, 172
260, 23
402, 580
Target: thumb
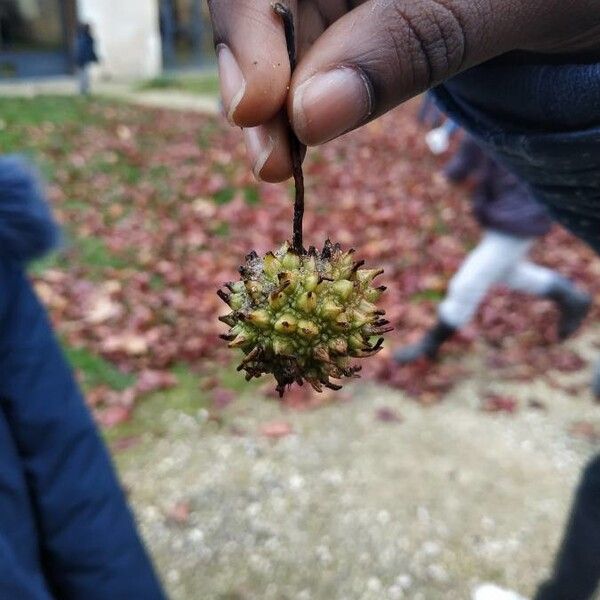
386, 51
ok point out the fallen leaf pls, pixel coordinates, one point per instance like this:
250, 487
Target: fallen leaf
585, 430
493, 403
276, 429
152, 380
114, 415
388, 415
179, 513
222, 398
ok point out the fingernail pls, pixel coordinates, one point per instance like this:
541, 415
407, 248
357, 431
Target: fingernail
233, 84
260, 147
330, 104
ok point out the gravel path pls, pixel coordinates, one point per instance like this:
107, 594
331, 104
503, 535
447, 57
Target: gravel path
351, 507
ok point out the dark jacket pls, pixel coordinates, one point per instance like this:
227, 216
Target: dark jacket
541, 116
85, 48
501, 201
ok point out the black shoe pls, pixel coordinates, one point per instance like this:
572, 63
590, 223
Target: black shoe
573, 304
427, 347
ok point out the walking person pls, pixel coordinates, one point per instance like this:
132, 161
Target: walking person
66, 532
85, 55
512, 221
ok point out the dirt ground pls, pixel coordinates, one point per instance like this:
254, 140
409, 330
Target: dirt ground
355, 507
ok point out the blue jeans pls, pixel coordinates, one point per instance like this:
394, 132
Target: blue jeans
65, 529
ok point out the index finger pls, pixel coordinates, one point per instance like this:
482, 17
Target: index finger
253, 61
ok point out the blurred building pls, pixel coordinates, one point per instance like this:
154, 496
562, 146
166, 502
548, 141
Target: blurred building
135, 38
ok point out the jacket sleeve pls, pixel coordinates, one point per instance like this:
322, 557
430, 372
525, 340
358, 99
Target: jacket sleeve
89, 541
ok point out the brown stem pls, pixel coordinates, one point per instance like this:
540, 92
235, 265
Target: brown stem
296, 149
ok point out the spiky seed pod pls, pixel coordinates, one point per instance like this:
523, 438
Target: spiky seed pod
303, 317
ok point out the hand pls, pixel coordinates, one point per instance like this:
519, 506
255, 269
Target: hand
359, 59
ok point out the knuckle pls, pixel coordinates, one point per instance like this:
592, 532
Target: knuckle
430, 35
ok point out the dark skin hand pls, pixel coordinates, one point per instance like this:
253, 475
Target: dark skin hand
359, 59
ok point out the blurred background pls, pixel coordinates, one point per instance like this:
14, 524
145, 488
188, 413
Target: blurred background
415, 482
138, 38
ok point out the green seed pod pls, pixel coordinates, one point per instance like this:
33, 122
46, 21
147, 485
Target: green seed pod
302, 317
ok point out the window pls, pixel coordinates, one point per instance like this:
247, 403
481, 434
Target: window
31, 25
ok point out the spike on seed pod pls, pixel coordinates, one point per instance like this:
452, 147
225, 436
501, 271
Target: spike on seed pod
311, 281
303, 317
229, 319
338, 346
253, 289
283, 347
307, 302
239, 341
260, 318
366, 276
308, 329
285, 324
343, 288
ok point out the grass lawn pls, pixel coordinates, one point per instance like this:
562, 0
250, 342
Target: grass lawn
205, 85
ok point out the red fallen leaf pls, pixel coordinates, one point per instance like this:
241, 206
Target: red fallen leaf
497, 403
276, 429
151, 381
222, 397
567, 362
237, 431
386, 414
125, 443
179, 513
585, 430
114, 415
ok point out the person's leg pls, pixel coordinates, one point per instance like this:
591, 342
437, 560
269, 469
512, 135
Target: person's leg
89, 544
494, 257
21, 573
84, 81
467, 160
488, 264
577, 569
573, 303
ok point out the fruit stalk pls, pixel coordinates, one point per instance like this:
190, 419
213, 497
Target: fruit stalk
287, 17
